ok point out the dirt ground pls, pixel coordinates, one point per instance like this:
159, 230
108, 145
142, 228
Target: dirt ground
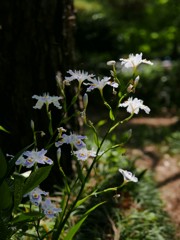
166, 170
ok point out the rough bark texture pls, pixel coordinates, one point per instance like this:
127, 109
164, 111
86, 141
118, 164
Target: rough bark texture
36, 41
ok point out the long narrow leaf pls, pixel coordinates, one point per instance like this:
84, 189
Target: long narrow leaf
3, 129
6, 196
27, 217
76, 227
18, 188
3, 167
35, 178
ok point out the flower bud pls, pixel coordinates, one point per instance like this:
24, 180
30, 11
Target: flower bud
32, 125
59, 154
85, 100
59, 79
42, 134
111, 63
136, 81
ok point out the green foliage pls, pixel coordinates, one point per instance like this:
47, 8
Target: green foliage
3, 129
134, 212
120, 27
173, 142
148, 220
130, 26
35, 178
77, 226
3, 168
96, 185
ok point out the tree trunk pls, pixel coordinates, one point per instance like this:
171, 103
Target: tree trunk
36, 41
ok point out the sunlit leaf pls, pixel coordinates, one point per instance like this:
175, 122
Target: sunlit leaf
35, 178
111, 115
101, 123
3, 129
27, 217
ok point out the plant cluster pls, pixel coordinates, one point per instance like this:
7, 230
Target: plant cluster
26, 210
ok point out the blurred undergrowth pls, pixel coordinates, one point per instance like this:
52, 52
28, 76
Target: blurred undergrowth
112, 29
134, 212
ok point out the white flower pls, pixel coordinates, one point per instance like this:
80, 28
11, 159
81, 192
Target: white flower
46, 99
83, 154
73, 139
29, 158
134, 60
128, 176
78, 75
133, 105
100, 84
50, 209
35, 196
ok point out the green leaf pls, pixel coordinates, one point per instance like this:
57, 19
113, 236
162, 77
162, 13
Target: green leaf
6, 196
81, 201
74, 100
76, 227
126, 136
35, 178
96, 140
3, 129
101, 123
111, 115
113, 127
27, 217
3, 167
18, 188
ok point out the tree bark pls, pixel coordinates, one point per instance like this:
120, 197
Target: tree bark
36, 41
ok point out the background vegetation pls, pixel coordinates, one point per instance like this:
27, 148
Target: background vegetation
111, 29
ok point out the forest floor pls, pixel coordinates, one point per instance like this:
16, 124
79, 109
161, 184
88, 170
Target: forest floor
165, 166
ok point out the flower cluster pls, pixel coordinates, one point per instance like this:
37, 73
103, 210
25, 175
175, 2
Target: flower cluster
76, 141
89, 82
35, 197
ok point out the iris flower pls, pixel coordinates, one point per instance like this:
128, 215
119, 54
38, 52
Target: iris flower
133, 105
100, 84
47, 100
29, 158
134, 60
128, 176
73, 140
83, 154
35, 196
49, 208
78, 75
